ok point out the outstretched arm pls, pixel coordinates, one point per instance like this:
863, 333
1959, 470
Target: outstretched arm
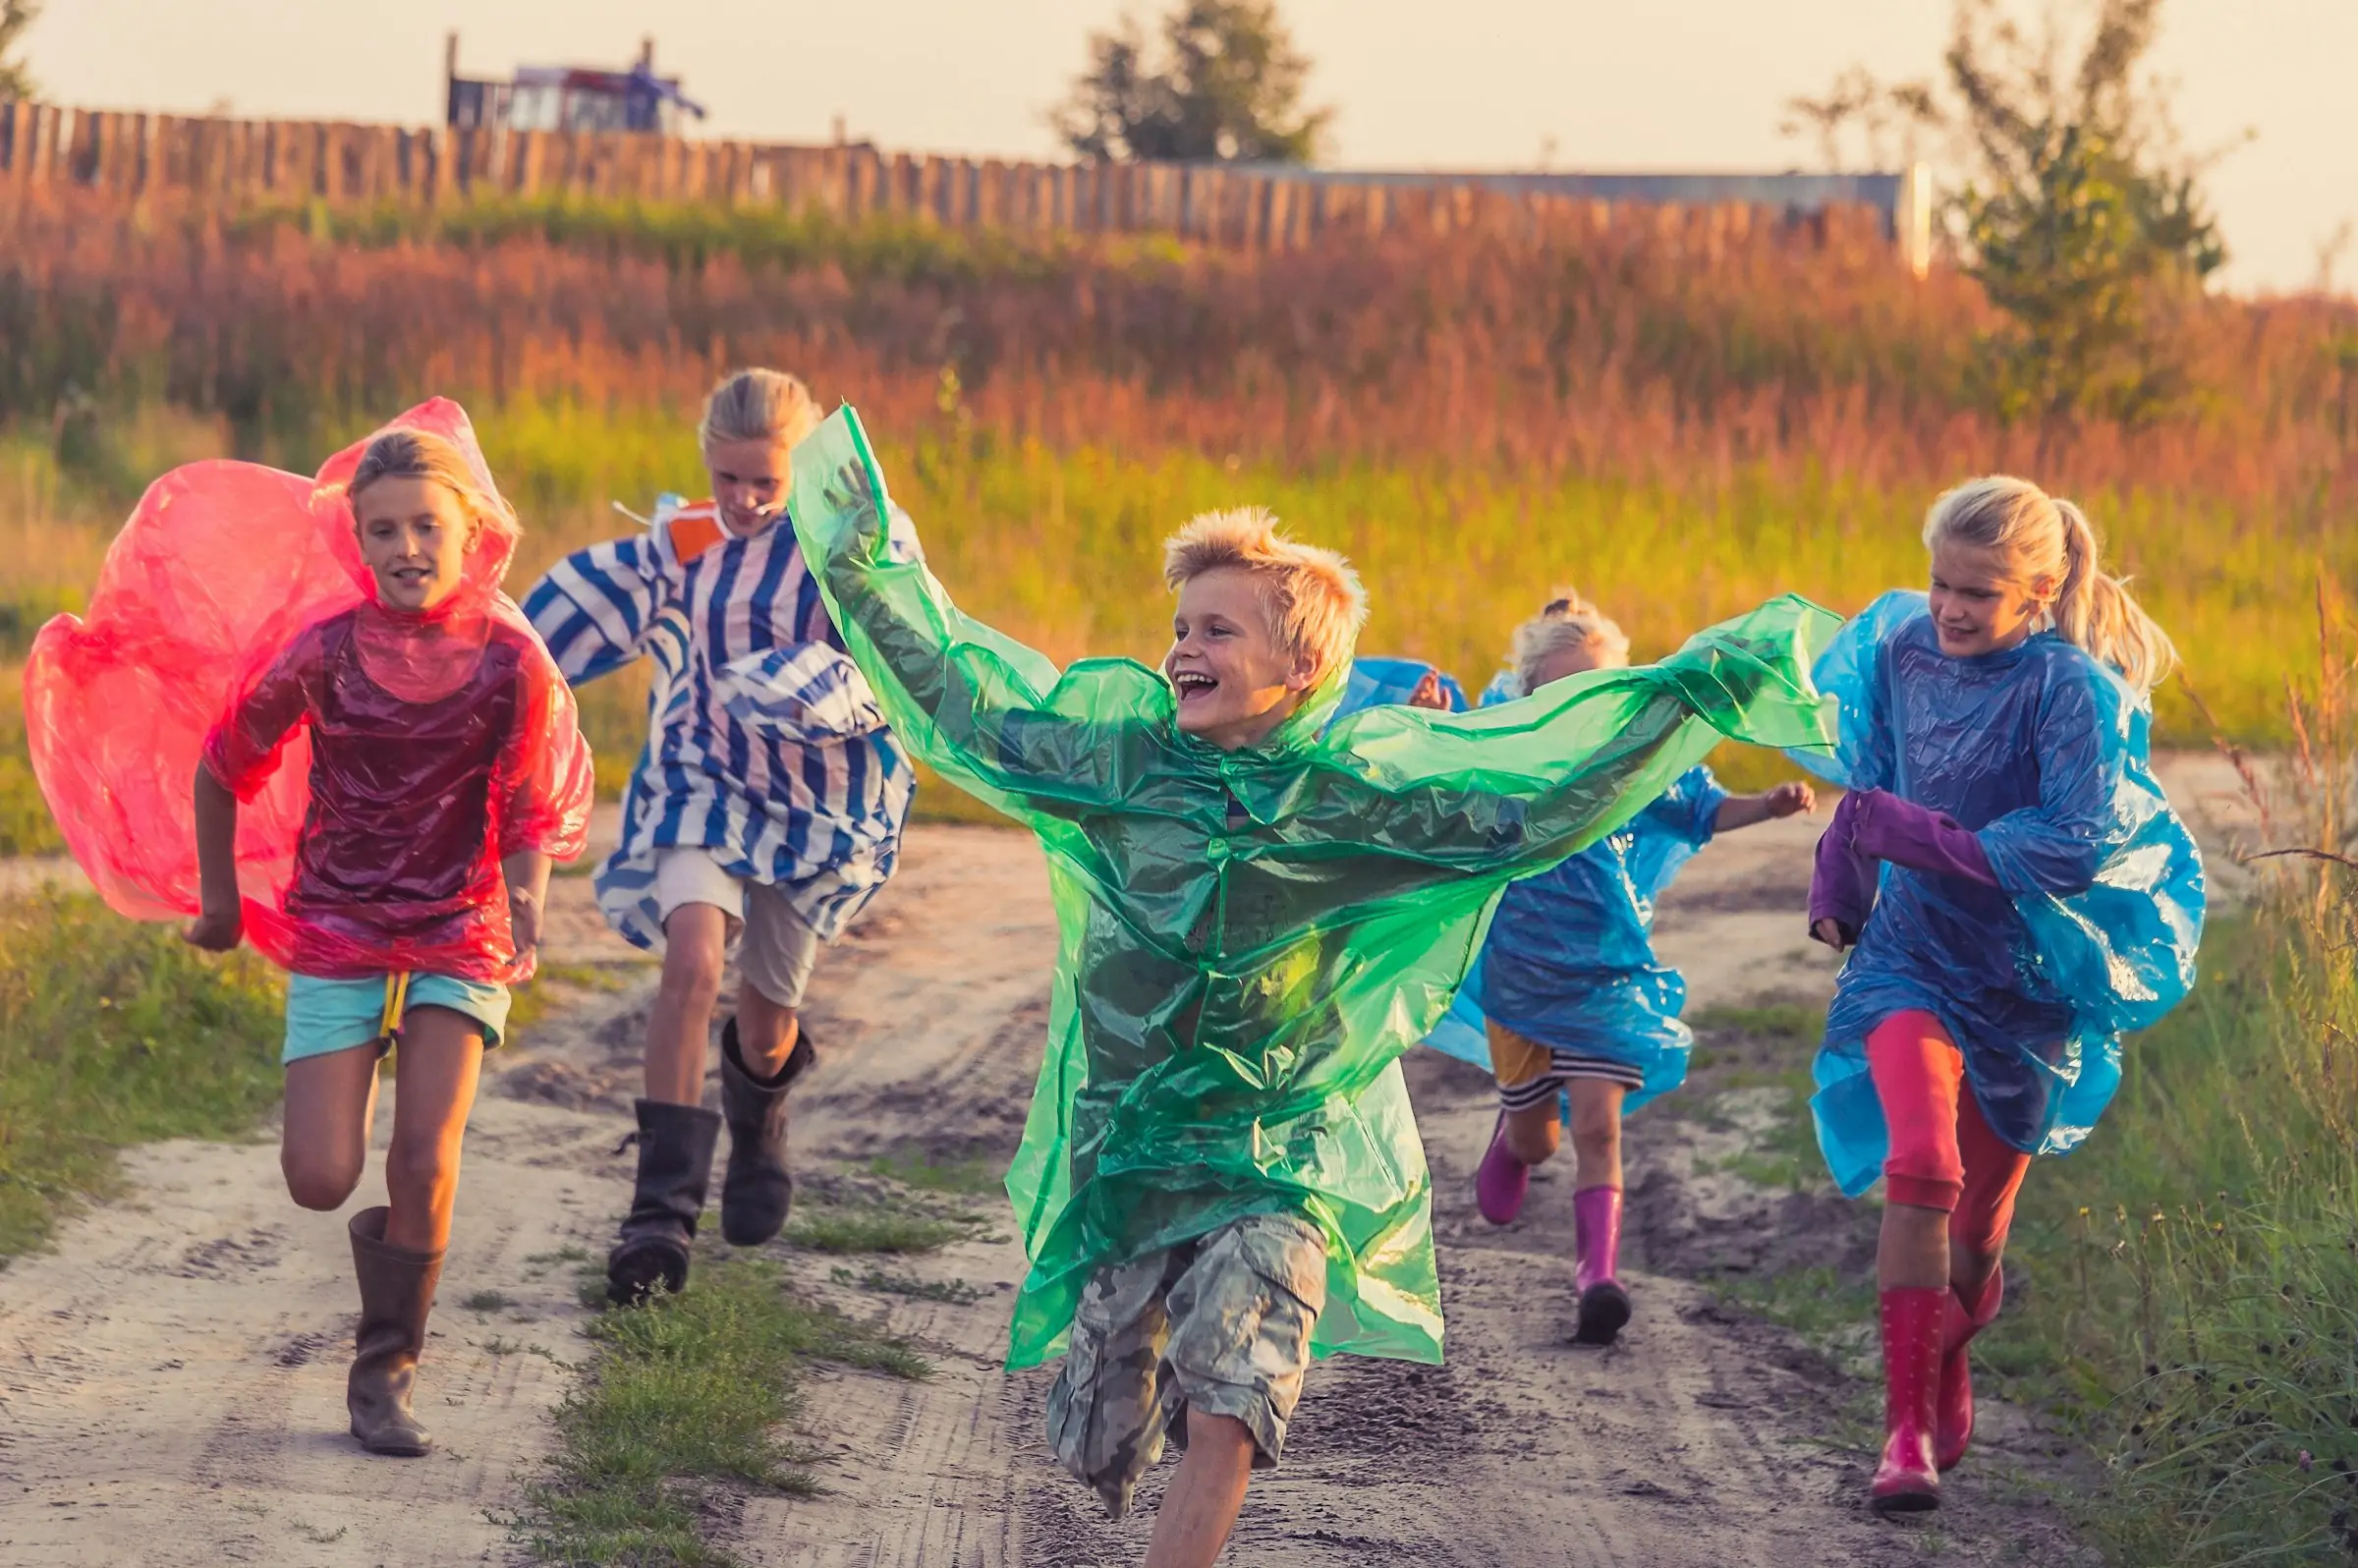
1746, 811
1515, 787
978, 708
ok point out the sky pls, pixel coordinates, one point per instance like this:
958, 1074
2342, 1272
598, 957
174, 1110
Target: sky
1581, 85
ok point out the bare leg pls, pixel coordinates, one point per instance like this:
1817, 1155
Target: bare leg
695, 941
1205, 1497
1913, 1253
440, 1059
766, 1033
1533, 1134
1596, 1131
331, 1102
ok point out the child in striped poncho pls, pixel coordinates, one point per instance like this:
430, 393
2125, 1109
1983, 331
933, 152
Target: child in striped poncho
765, 811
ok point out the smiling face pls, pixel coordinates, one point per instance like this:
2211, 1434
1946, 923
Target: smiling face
1978, 606
414, 534
1235, 680
749, 484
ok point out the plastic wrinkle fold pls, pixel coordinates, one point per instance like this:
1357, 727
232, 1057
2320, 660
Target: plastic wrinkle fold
2042, 754
1250, 939
385, 763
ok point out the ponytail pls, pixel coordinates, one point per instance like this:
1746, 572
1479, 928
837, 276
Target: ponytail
2094, 611
2044, 537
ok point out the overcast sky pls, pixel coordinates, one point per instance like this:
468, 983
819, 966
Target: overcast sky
1478, 84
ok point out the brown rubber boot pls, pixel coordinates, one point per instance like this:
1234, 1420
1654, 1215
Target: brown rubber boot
397, 1291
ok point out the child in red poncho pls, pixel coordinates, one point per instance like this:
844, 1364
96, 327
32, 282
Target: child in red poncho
405, 716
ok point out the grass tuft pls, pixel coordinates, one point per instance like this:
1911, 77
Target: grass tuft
688, 1396
954, 1292
114, 1033
875, 1227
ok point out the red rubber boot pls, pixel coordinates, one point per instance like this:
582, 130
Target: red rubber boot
1906, 1482
1597, 1228
1953, 1420
1502, 1181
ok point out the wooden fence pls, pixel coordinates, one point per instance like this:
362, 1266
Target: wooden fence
243, 162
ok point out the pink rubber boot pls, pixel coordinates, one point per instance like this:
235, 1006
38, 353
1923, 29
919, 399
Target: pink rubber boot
1502, 1180
1953, 1426
1603, 1304
1907, 1482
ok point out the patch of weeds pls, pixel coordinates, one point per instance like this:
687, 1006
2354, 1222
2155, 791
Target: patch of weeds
688, 1394
501, 1345
876, 1227
487, 1301
913, 1167
1819, 1303
536, 999
955, 1292
322, 1538
1781, 1022
115, 1033
572, 1253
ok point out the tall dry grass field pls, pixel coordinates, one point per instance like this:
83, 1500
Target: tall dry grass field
1475, 420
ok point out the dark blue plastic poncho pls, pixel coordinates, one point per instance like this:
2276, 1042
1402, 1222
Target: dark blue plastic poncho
1251, 938
2041, 752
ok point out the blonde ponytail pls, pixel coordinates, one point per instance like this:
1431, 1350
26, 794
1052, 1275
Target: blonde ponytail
2043, 536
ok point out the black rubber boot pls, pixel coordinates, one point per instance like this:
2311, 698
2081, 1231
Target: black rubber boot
675, 1168
757, 1190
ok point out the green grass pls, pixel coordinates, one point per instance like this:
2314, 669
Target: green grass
688, 1396
914, 1167
875, 1227
112, 1033
954, 1292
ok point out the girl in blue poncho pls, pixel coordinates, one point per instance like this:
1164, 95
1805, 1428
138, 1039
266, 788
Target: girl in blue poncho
1578, 1011
2015, 892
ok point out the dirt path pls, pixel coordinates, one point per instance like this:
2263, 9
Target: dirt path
170, 1376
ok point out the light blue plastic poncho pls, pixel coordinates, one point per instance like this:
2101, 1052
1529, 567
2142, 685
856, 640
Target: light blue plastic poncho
1379, 680
1251, 938
2041, 751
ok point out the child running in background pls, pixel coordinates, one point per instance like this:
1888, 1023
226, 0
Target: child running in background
2018, 892
1579, 1011
1259, 911
444, 771
765, 811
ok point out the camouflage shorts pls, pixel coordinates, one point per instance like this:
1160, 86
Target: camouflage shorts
1222, 1325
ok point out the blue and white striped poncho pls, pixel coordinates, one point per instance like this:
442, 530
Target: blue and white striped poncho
764, 744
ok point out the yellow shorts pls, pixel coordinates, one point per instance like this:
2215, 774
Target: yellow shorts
1531, 1074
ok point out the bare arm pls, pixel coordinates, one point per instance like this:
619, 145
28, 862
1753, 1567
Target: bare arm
220, 921
1745, 811
527, 873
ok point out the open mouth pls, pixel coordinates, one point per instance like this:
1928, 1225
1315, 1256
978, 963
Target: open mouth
1192, 685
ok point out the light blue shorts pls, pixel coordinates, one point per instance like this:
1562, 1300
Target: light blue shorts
335, 1015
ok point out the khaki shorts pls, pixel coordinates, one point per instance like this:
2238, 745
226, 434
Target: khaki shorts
777, 950
1221, 1325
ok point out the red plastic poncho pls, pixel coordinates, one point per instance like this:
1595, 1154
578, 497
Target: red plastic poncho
385, 761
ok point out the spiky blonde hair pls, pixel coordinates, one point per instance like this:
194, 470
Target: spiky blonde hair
1568, 621
1316, 605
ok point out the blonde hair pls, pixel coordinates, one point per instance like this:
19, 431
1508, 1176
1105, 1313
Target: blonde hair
2044, 536
1565, 621
758, 406
405, 453
1313, 599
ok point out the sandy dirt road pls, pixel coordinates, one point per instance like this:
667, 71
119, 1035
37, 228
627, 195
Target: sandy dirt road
171, 1373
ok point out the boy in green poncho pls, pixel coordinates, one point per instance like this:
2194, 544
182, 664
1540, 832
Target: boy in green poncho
1221, 1176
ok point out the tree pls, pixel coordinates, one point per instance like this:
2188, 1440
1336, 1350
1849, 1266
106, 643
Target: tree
14, 16
1227, 84
2071, 201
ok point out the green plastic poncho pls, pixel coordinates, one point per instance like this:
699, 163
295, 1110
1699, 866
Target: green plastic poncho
1250, 939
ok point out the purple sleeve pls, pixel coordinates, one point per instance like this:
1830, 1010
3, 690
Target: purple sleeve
1889, 828
1842, 881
